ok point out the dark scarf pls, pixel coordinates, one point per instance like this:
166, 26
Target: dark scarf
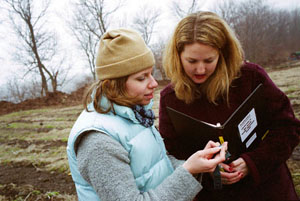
145, 117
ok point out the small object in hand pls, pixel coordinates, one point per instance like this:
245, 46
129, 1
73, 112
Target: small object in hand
227, 156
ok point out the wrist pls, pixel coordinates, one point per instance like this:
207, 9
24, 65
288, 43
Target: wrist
186, 166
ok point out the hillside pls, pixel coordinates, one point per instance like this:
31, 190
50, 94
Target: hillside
59, 99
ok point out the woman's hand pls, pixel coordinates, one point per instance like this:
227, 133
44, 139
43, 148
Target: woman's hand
234, 172
203, 161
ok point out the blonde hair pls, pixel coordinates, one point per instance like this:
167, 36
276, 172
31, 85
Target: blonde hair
209, 29
113, 89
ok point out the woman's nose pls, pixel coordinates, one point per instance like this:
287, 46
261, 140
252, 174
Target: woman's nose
200, 68
153, 83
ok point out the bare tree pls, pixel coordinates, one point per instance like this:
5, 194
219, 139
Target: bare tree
91, 20
252, 28
267, 34
32, 88
276, 37
38, 45
16, 90
294, 30
158, 49
228, 10
253, 21
182, 8
145, 21
59, 73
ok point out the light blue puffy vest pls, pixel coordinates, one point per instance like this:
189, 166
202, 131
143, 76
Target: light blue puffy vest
148, 160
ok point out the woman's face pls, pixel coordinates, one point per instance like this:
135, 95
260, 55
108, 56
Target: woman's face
141, 85
199, 61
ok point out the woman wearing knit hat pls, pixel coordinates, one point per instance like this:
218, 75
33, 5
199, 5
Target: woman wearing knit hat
114, 150
209, 81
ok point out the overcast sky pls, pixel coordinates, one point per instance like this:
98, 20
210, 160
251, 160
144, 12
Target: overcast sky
61, 9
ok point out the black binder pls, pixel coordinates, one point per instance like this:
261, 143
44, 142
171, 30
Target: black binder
243, 130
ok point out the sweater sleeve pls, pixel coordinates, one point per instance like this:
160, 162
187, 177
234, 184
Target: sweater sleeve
283, 133
175, 162
104, 163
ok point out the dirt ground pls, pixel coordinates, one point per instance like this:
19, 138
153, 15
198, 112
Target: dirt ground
22, 179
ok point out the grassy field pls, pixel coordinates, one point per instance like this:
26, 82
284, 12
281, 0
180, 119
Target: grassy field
33, 161
33, 154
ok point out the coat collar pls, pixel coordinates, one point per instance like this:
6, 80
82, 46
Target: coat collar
122, 111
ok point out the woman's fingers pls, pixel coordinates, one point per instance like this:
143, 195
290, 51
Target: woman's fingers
230, 178
226, 167
221, 156
209, 152
212, 148
206, 160
240, 165
211, 144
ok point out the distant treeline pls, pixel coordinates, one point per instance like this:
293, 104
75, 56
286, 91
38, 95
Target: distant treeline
268, 35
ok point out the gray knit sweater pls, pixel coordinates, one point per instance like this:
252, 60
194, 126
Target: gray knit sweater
104, 163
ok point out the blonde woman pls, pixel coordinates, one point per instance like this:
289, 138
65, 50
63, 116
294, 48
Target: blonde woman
209, 80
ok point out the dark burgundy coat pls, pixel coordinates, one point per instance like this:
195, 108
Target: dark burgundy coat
269, 177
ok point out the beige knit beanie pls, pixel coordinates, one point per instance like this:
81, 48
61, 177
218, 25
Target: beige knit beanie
122, 52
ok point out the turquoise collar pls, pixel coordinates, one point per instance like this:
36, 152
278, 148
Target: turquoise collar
122, 111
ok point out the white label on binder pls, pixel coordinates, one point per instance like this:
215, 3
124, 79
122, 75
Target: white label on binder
247, 125
249, 142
